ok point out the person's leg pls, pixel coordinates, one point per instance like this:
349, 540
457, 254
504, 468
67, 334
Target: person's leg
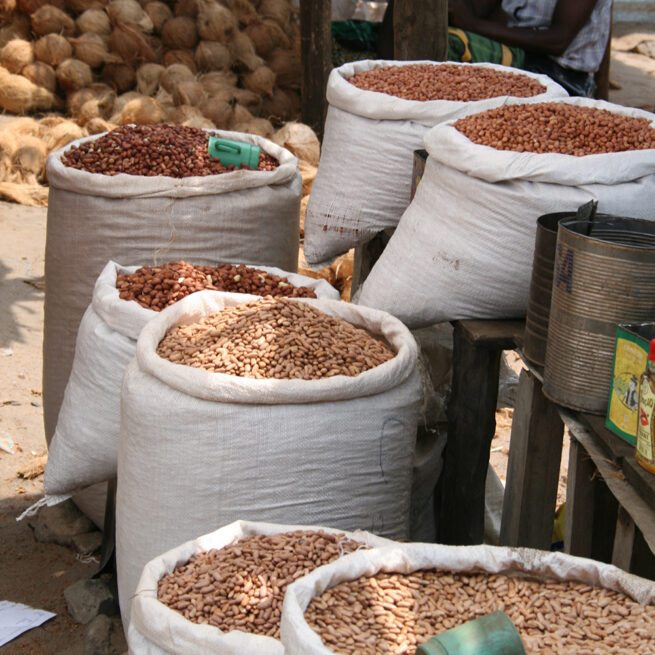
576, 83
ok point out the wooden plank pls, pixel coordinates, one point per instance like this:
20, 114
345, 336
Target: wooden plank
316, 57
420, 29
533, 468
497, 334
624, 540
459, 500
578, 521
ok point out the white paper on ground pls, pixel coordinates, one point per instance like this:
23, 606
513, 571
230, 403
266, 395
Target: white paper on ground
16, 619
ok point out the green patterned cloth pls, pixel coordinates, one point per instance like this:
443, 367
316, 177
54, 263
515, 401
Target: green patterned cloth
473, 48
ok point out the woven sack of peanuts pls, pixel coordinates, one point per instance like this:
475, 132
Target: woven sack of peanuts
364, 177
243, 216
559, 603
199, 448
155, 627
83, 450
464, 246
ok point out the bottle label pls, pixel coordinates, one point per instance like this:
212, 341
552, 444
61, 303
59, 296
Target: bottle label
645, 423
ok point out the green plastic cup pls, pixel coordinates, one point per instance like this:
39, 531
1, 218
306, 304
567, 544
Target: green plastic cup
235, 153
492, 634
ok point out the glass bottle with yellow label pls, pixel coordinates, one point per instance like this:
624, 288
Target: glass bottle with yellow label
645, 451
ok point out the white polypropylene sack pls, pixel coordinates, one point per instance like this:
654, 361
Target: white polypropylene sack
299, 639
364, 176
199, 449
464, 247
84, 448
242, 216
155, 629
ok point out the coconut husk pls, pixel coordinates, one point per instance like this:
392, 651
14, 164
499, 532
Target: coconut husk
287, 67
19, 96
159, 13
147, 78
215, 22
187, 8
164, 99
92, 103
212, 56
140, 111
188, 92
47, 123
303, 212
129, 12
33, 195
190, 117
99, 126
63, 134
173, 75
97, 91
180, 33
243, 52
29, 156
219, 110
80, 6
248, 99
17, 54
301, 140
22, 126
42, 75
51, 20
267, 35
282, 107
20, 27
244, 12
30, 6
260, 126
278, 10
308, 174
217, 81
94, 20
240, 115
8, 143
184, 57
122, 100
73, 74
92, 50
119, 76
52, 49
7, 8
131, 45
260, 81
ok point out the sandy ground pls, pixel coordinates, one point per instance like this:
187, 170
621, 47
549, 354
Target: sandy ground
37, 574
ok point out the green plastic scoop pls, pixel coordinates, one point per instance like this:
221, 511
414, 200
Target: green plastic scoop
234, 153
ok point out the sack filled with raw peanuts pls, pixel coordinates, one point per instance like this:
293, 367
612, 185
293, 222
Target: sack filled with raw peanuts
158, 619
464, 246
290, 410
391, 599
378, 114
83, 450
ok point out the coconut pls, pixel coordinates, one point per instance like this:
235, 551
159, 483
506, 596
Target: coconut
301, 140
240, 115
18, 95
140, 111
94, 20
159, 13
129, 12
287, 67
243, 52
17, 54
73, 74
92, 50
211, 56
50, 20
250, 100
278, 10
260, 126
29, 156
42, 75
99, 126
6, 9
22, 126
80, 6
122, 101
62, 134
52, 49
188, 92
282, 107
308, 174
118, 76
164, 99
219, 110
262, 36
131, 45
215, 22
30, 6
244, 12
179, 33
187, 8
147, 78
173, 75
260, 81
184, 57
217, 81
189, 117
97, 91
20, 27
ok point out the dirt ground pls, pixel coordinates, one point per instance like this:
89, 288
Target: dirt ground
37, 574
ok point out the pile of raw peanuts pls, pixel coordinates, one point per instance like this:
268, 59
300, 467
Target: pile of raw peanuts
558, 128
156, 287
424, 82
274, 338
169, 150
393, 613
241, 586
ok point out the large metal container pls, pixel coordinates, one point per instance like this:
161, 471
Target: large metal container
604, 274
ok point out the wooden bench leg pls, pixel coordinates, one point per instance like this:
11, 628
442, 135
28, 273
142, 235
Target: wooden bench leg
533, 468
459, 501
